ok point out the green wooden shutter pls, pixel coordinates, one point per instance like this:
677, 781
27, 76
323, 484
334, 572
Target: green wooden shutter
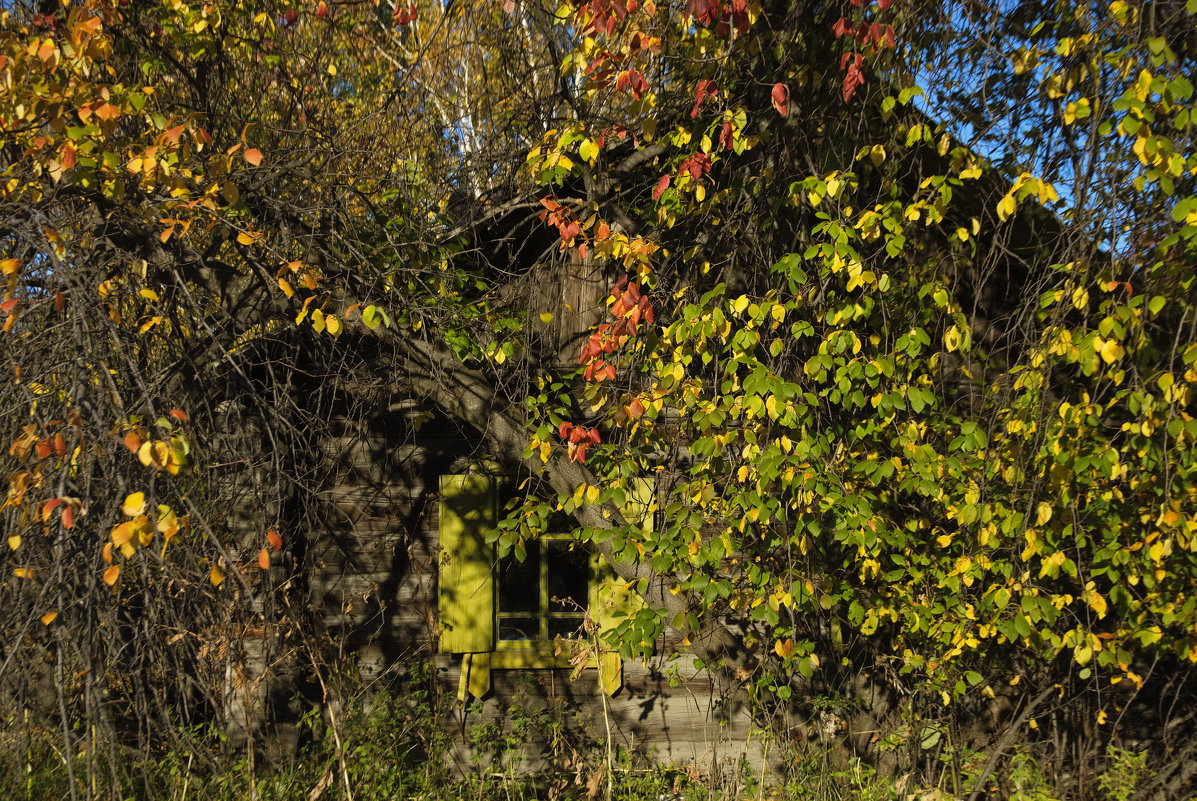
466, 587
615, 599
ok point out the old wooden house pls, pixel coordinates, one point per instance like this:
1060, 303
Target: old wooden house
408, 575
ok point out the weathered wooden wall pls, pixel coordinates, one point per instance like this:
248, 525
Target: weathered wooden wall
374, 577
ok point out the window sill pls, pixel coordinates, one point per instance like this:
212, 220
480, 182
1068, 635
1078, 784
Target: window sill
535, 654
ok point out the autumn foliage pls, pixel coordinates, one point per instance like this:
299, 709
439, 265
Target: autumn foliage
892, 305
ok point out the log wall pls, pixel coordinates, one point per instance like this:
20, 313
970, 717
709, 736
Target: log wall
373, 576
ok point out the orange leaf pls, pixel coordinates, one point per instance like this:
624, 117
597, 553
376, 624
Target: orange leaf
123, 533
132, 441
274, 541
68, 517
264, 559
112, 574
179, 415
107, 111
253, 156
49, 618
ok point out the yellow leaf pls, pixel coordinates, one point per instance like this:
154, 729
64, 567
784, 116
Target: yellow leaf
1112, 351
1043, 513
134, 504
112, 574
1096, 601
23, 572
149, 294
49, 618
877, 154
245, 239
546, 318
9, 266
951, 339
1005, 207
216, 576
285, 285
332, 324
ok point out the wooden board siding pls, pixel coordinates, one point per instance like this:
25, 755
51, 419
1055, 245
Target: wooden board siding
373, 576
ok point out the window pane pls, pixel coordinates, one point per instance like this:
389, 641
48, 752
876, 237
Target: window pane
565, 626
519, 583
568, 577
512, 629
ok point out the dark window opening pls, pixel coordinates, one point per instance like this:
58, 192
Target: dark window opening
546, 595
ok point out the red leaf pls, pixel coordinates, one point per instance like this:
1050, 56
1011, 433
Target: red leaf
635, 408
43, 449
594, 435
842, 27
564, 429
726, 136
60, 447
883, 4
706, 88
49, 506
60, 301
8, 305
781, 98
321, 10
658, 190
854, 77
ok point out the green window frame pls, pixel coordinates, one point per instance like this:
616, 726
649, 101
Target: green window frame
468, 593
